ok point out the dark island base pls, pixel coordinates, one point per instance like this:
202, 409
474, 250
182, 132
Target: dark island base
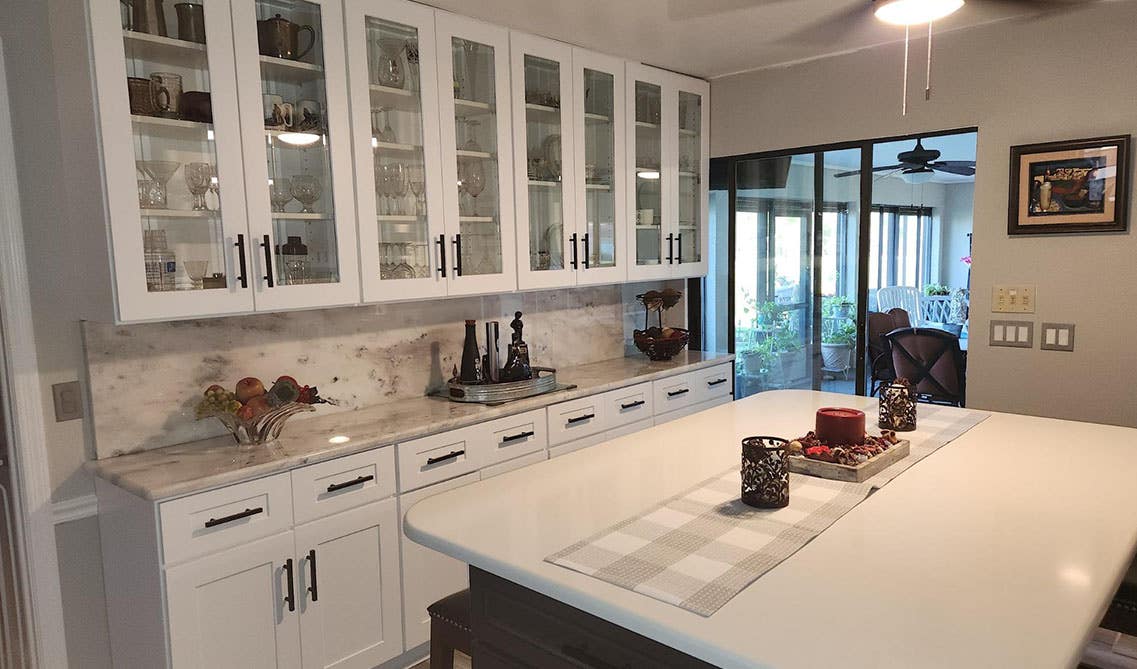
514, 626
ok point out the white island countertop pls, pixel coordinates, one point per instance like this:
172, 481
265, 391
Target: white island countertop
1002, 549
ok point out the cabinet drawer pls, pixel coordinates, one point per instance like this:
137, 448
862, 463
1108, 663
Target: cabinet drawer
210, 521
511, 437
585, 442
573, 420
337, 485
713, 382
630, 428
436, 458
516, 463
675, 393
691, 410
628, 405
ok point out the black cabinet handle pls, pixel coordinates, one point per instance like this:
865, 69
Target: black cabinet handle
267, 244
679, 247
677, 393
443, 458
670, 250
359, 480
312, 574
214, 522
633, 405
587, 416
716, 382
442, 255
290, 598
572, 243
458, 255
515, 437
581, 655
584, 260
243, 277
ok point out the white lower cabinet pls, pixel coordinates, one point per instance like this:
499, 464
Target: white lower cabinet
347, 586
692, 409
231, 610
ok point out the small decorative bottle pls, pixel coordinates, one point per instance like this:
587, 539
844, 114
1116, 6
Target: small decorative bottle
517, 367
471, 373
161, 263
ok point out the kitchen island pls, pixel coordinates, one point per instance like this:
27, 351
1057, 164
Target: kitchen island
1002, 549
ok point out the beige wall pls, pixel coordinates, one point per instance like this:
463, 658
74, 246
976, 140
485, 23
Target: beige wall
1048, 79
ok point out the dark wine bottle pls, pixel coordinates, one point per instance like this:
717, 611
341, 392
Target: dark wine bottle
471, 361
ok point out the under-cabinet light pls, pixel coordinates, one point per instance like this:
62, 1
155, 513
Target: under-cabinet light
299, 138
648, 174
914, 12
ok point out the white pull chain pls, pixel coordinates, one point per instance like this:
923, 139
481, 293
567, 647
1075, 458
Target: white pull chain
928, 85
904, 103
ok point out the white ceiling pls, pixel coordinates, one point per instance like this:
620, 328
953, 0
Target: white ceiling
706, 38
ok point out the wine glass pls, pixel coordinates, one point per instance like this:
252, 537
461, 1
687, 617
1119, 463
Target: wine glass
383, 188
279, 193
398, 186
307, 189
386, 135
475, 183
416, 180
195, 270
215, 190
197, 177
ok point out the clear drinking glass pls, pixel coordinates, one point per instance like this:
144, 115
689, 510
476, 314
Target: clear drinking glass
279, 193
307, 188
198, 176
158, 171
195, 270
416, 180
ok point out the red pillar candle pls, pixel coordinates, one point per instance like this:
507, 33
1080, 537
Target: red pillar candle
837, 426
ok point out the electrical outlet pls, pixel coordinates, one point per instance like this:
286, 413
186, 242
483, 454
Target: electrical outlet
68, 401
1012, 299
1057, 337
1015, 334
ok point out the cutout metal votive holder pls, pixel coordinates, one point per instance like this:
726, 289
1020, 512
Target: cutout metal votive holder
765, 479
897, 407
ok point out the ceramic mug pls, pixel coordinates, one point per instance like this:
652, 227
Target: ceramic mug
191, 22
166, 92
197, 106
308, 115
280, 38
277, 112
141, 99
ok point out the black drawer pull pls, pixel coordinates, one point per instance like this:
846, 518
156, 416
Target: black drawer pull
677, 393
441, 255
312, 574
633, 405
354, 482
290, 598
443, 458
515, 437
587, 416
243, 277
716, 382
214, 522
581, 654
267, 246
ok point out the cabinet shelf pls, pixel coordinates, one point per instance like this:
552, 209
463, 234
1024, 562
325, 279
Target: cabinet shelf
543, 184
471, 108
397, 218
399, 99
475, 154
158, 48
689, 175
645, 124
391, 146
649, 227
177, 213
170, 123
476, 219
597, 118
551, 113
598, 187
300, 216
275, 68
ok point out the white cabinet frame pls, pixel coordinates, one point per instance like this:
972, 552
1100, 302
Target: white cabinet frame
669, 159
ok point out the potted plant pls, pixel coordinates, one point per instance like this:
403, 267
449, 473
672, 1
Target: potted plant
837, 306
837, 347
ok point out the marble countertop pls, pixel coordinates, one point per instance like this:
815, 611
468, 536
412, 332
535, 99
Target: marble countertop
1001, 549
195, 466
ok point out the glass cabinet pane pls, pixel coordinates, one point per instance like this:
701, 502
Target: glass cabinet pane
690, 180
475, 123
397, 150
544, 162
599, 156
175, 157
294, 104
648, 184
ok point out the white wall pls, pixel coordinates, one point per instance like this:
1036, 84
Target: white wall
1064, 77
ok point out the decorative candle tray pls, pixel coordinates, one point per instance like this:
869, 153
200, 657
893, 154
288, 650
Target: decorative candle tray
545, 381
851, 473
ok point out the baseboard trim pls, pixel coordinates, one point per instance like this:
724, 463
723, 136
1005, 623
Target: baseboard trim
76, 508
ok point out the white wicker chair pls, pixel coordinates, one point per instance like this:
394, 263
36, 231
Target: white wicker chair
905, 297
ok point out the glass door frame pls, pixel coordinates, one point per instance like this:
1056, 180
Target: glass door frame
695, 313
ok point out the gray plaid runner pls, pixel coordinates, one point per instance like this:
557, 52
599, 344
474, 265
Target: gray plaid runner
702, 547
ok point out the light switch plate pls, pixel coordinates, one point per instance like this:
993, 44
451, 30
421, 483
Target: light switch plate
1012, 299
1015, 334
1057, 337
68, 401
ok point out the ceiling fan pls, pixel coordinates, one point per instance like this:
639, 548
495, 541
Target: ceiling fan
920, 164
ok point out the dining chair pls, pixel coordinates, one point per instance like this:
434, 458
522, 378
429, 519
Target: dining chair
932, 362
880, 354
904, 297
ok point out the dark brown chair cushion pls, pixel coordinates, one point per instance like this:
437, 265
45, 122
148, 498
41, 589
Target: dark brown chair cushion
932, 361
453, 610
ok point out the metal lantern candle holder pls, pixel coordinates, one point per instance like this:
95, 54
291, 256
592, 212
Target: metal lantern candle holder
897, 407
765, 479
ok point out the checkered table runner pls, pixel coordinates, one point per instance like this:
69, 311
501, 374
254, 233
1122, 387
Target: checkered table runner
702, 547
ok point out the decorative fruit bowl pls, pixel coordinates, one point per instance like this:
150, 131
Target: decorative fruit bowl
253, 415
660, 343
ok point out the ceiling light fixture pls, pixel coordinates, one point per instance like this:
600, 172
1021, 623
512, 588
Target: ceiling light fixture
299, 138
918, 175
914, 12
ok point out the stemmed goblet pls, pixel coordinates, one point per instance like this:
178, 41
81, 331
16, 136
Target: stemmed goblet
279, 193
307, 189
198, 177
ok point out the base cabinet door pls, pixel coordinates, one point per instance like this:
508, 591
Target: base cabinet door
347, 585
232, 610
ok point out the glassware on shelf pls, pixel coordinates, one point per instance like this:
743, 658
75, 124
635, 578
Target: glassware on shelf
196, 270
422, 268
158, 171
307, 189
161, 263
198, 177
166, 92
416, 181
474, 183
390, 66
279, 193
402, 270
398, 186
467, 86
215, 191
471, 170
148, 192
294, 258
383, 188
386, 134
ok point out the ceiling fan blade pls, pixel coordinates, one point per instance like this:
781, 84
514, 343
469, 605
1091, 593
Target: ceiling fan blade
883, 168
694, 9
1039, 6
852, 173
833, 28
955, 163
953, 169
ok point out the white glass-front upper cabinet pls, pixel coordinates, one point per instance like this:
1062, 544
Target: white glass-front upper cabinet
392, 55
600, 180
179, 240
478, 248
693, 141
543, 163
292, 82
651, 151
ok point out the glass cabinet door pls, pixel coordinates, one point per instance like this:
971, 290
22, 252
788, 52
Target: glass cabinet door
298, 171
171, 140
691, 229
649, 199
599, 129
544, 162
391, 54
473, 66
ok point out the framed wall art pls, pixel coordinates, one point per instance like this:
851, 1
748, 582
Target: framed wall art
1074, 186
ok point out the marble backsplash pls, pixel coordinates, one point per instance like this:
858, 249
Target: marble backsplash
145, 380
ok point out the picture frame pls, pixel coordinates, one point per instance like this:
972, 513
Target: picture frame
1069, 187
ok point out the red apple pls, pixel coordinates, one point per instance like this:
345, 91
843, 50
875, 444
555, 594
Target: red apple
248, 388
245, 413
214, 388
259, 405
